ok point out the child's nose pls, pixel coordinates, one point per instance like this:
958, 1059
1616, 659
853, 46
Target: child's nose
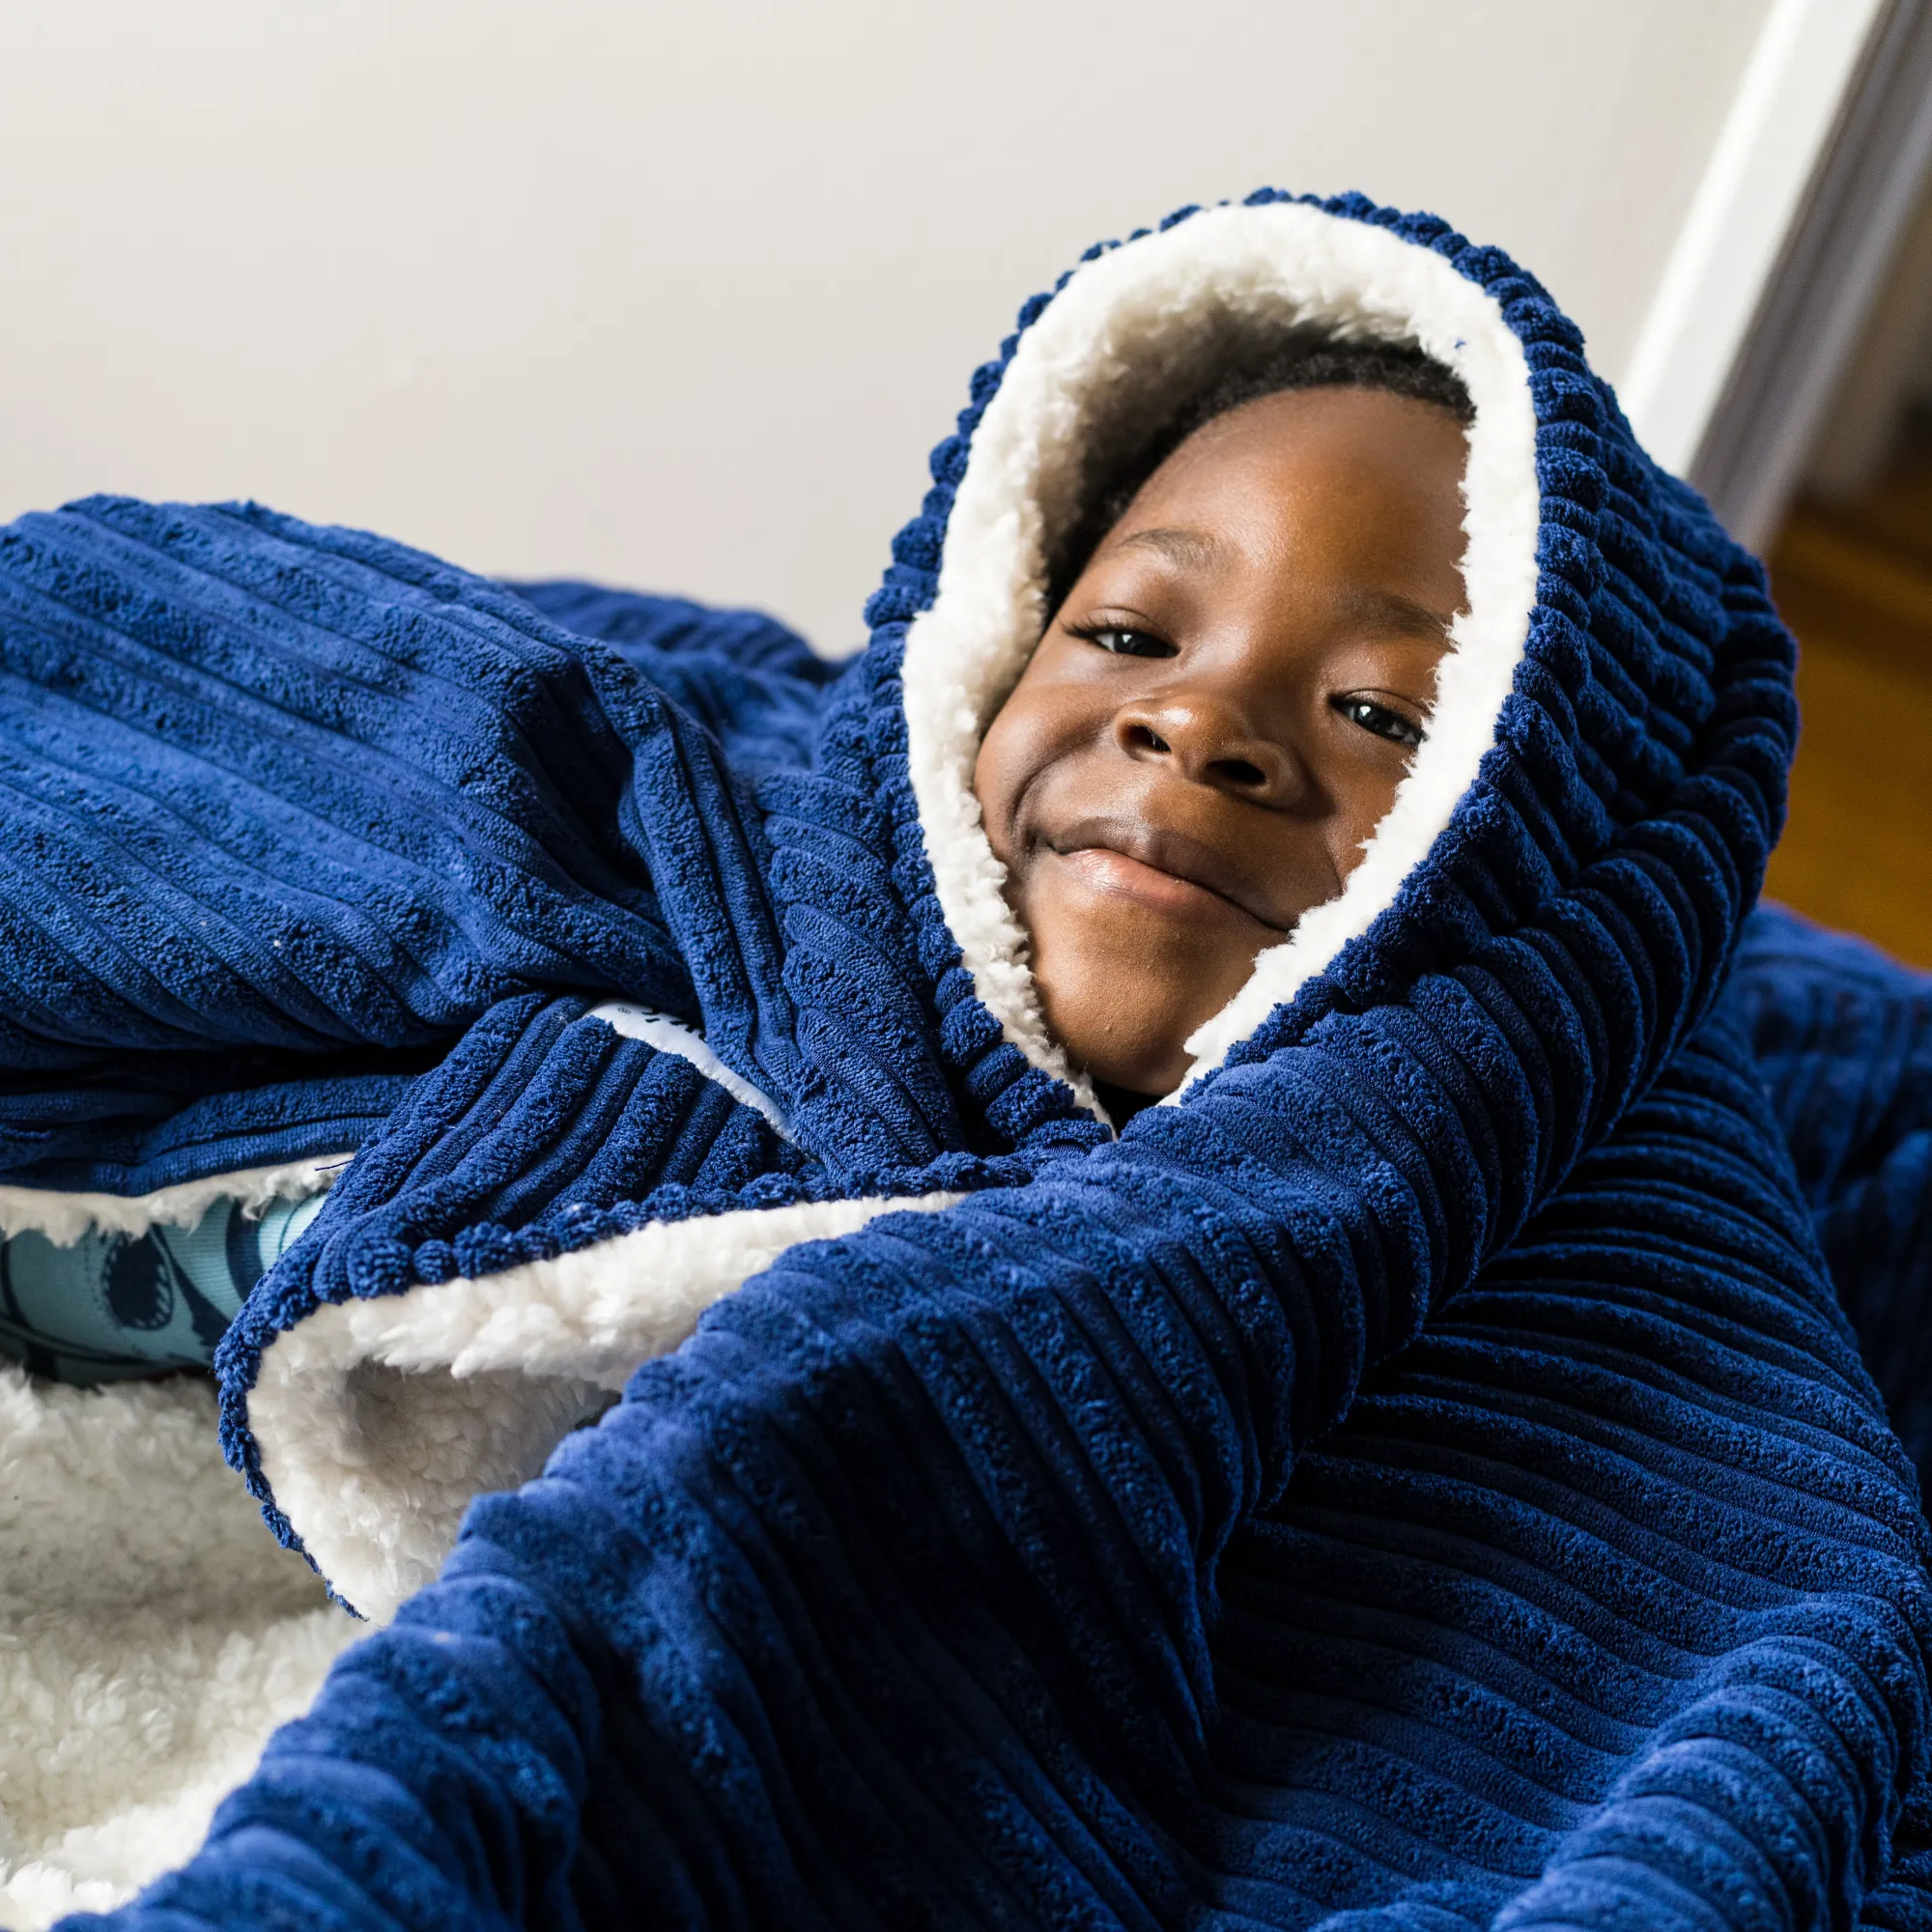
1212, 744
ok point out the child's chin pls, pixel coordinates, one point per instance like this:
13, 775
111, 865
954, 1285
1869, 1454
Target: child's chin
1123, 1020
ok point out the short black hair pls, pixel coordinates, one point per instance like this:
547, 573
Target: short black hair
1296, 363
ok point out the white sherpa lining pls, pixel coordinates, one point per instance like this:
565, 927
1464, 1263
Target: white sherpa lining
1139, 321
669, 1036
152, 1634
63, 1217
152, 1631
379, 1420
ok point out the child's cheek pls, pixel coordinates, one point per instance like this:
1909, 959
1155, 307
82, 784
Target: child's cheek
1018, 747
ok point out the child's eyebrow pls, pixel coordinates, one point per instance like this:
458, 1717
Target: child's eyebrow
1186, 546
1390, 611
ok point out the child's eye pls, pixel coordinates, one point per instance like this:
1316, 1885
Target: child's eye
1381, 719
1127, 643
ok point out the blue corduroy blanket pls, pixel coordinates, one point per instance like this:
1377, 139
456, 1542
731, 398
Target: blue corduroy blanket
1420, 1476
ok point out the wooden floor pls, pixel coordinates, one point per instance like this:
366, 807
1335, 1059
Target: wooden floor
1855, 582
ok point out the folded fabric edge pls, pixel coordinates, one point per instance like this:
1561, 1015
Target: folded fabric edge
378, 1421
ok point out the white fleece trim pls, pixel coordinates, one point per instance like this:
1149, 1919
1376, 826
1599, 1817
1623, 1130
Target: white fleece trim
63, 1217
669, 1036
1140, 320
380, 1420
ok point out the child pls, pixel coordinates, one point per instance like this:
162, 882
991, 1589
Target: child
1414, 1472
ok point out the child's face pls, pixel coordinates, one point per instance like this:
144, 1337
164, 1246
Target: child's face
1219, 714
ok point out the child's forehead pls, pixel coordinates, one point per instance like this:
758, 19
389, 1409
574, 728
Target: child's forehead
1355, 468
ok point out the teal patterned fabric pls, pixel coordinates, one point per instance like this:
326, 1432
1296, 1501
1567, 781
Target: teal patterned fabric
108, 1306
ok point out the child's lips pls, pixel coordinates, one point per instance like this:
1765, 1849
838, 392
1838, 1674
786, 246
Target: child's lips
1119, 875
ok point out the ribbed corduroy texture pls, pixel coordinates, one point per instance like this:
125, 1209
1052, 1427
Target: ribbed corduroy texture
1422, 1480
273, 794
1843, 1039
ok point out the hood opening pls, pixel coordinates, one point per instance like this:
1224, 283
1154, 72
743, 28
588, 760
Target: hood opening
1132, 337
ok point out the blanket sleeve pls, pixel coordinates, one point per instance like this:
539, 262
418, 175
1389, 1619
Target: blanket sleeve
275, 793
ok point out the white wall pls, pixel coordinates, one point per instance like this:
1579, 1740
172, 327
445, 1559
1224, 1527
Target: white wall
681, 294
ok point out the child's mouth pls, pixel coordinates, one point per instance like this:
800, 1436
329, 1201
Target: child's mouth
1158, 888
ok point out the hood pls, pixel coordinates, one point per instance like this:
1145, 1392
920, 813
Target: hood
1616, 705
